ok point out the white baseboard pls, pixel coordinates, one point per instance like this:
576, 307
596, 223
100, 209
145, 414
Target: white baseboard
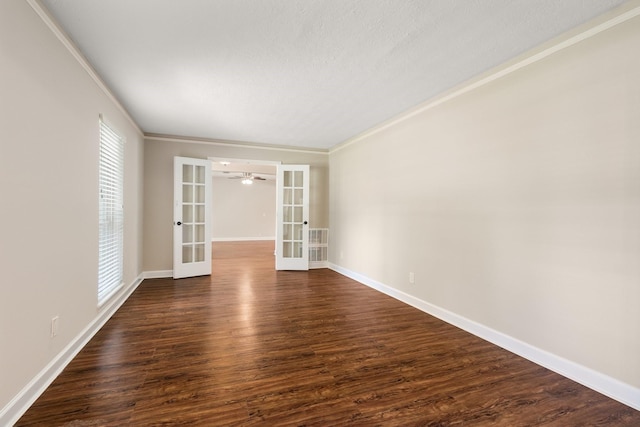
595, 380
240, 239
318, 264
12, 412
158, 274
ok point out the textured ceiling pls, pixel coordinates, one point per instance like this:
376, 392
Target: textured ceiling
306, 73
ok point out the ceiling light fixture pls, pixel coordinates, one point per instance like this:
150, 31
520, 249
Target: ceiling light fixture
247, 181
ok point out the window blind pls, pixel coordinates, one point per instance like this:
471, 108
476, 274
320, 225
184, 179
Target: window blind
110, 251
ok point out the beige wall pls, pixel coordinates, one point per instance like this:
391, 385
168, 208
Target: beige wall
243, 212
516, 205
49, 108
158, 185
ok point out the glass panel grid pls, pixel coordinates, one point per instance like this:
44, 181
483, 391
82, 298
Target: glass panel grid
187, 213
199, 213
187, 233
187, 254
287, 214
287, 232
198, 253
297, 250
187, 173
199, 233
187, 193
287, 198
292, 214
199, 175
199, 193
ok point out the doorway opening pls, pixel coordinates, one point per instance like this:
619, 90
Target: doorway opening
264, 200
244, 199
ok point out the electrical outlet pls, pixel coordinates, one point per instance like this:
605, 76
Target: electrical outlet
54, 326
412, 277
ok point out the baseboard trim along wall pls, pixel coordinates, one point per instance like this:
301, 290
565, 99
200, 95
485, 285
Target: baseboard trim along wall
318, 264
158, 274
597, 381
12, 412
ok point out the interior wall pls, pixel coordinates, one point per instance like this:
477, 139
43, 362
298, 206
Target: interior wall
243, 212
158, 185
49, 109
516, 205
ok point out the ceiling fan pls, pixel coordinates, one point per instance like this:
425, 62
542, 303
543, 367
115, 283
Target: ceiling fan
248, 178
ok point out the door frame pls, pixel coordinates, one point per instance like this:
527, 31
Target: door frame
276, 164
249, 163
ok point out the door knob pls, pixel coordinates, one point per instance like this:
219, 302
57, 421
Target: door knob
305, 223
178, 223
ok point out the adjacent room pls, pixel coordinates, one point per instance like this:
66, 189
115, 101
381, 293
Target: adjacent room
320, 212
244, 201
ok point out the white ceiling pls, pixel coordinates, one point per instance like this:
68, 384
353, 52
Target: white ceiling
306, 73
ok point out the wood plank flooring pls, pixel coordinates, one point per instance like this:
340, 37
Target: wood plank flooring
252, 346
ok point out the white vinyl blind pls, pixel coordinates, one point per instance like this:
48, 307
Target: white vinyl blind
110, 255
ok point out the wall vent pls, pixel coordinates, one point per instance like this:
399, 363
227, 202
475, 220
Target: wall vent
318, 247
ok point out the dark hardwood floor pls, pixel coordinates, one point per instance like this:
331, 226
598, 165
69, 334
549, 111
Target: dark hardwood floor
252, 346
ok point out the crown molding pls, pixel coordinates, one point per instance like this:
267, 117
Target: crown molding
235, 144
615, 17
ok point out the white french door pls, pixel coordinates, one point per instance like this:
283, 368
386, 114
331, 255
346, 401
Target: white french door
191, 217
292, 217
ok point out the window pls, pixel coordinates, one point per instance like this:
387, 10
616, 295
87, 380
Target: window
111, 215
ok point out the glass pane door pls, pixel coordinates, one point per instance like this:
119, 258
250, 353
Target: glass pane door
192, 218
292, 218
